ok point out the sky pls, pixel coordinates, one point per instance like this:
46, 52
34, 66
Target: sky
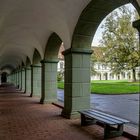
99, 31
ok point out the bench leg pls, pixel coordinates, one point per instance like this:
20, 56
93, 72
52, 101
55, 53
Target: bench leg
110, 132
87, 121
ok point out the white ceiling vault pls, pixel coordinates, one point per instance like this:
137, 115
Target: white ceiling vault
27, 24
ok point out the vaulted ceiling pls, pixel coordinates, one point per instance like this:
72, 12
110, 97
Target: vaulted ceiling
26, 25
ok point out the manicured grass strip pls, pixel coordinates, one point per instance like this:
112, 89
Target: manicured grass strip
119, 88
111, 87
60, 85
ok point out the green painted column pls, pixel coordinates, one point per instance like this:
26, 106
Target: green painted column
17, 78
10, 78
7, 79
13, 78
28, 79
23, 79
31, 81
36, 80
20, 79
77, 82
49, 81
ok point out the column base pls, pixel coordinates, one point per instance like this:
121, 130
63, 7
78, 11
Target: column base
31, 95
47, 101
70, 115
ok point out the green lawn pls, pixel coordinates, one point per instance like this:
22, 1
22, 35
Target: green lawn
111, 87
60, 85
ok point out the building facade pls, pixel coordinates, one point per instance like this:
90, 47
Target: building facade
102, 71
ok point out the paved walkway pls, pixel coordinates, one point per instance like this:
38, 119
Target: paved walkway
125, 106
23, 118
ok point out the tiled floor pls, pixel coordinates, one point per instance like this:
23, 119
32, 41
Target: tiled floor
23, 118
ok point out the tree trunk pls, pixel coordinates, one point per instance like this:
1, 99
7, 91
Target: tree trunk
133, 75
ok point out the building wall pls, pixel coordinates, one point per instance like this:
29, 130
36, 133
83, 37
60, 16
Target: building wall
103, 72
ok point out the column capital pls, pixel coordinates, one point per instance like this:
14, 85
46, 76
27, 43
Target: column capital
136, 24
23, 68
78, 51
28, 68
49, 61
36, 65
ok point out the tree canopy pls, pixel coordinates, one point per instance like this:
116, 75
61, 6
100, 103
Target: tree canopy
121, 41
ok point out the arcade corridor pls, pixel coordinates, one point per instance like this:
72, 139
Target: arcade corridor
31, 33
23, 118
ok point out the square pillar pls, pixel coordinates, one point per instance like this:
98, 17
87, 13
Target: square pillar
28, 79
20, 79
77, 82
14, 78
23, 79
36, 80
17, 78
49, 81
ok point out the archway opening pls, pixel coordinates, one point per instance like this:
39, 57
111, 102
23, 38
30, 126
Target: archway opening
122, 79
52, 69
36, 74
3, 77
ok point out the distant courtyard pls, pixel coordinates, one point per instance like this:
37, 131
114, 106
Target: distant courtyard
111, 87
118, 97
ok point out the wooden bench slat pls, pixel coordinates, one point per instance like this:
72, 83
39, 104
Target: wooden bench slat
111, 116
106, 117
91, 116
97, 118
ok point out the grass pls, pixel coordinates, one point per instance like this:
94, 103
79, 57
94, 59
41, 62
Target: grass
60, 85
111, 87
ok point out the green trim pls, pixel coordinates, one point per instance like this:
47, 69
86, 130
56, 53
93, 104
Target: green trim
49, 61
23, 69
36, 66
78, 51
28, 68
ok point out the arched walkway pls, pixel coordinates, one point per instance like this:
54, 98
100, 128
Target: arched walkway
44, 25
23, 118
36, 75
49, 69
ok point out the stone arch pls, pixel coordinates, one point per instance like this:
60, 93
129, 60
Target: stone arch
22, 64
52, 47
36, 57
49, 69
7, 69
4, 77
90, 19
77, 64
28, 61
36, 74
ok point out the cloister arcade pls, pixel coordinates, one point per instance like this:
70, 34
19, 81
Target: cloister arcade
31, 33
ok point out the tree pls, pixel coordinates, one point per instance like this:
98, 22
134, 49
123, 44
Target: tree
97, 56
120, 40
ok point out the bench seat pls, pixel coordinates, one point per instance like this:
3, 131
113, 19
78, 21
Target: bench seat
92, 116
